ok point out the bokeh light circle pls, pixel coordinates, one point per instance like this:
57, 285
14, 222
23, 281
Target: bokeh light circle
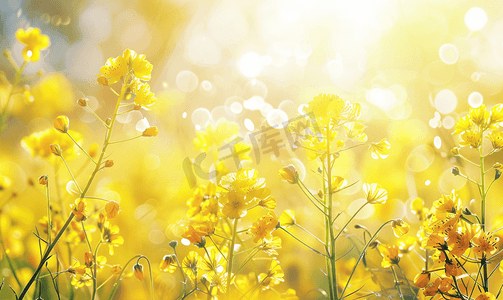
187, 81
201, 117
250, 64
449, 54
446, 101
277, 118
475, 99
476, 18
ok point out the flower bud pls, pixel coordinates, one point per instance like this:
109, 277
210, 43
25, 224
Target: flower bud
116, 269
88, 259
455, 151
320, 193
102, 80
55, 149
455, 171
151, 131
108, 121
82, 102
138, 271
399, 227
202, 243
62, 124
112, 208
289, 174
173, 244
109, 163
137, 107
43, 179
498, 166
497, 175
422, 279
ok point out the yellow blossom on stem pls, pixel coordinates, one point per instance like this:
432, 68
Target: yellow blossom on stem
263, 227
168, 263
34, 41
486, 296
289, 174
190, 264
112, 208
399, 227
114, 69
151, 131
374, 193
141, 67
422, 279
144, 97
62, 124
389, 254
380, 149
496, 138
287, 218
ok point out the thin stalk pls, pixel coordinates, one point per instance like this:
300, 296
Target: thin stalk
98, 117
80, 147
116, 284
231, 254
327, 237
312, 249
350, 219
332, 241
126, 140
308, 232
397, 284
71, 174
483, 213
49, 224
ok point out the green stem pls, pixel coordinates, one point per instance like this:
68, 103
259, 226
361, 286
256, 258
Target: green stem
116, 284
483, 213
332, 241
230, 257
126, 140
397, 284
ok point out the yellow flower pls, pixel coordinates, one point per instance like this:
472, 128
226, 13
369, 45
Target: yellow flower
486, 296
338, 183
374, 193
268, 202
422, 279
114, 69
34, 42
168, 263
62, 124
234, 205
216, 134
112, 208
399, 227
290, 294
138, 271
111, 236
88, 259
289, 174
417, 207
406, 243
273, 277
380, 150
496, 139
144, 96
151, 131
470, 138
5, 182
389, 254
270, 247
191, 263
213, 260
263, 227
287, 218
39, 143
463, 124
484, 243
325, 108
497, 114
354, 131
141, 67
195, 233
480, 117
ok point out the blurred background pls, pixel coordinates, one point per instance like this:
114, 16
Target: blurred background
415, 66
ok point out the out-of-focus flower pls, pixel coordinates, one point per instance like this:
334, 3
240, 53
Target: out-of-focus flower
39, 143
399, 227
486, 296
289, 174
111, 236
138, 271
88, 259
389, 254
287, 218
263, 227
93, 149
374, 193
325, 108
112, 208
338, 183
270, 247
34, 41
406, 243
151, 131
417, 207
290, 294
354, 131
273, 277
61, 124
168, 263
380, 149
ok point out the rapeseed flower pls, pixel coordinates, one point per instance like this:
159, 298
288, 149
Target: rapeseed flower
34, 41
